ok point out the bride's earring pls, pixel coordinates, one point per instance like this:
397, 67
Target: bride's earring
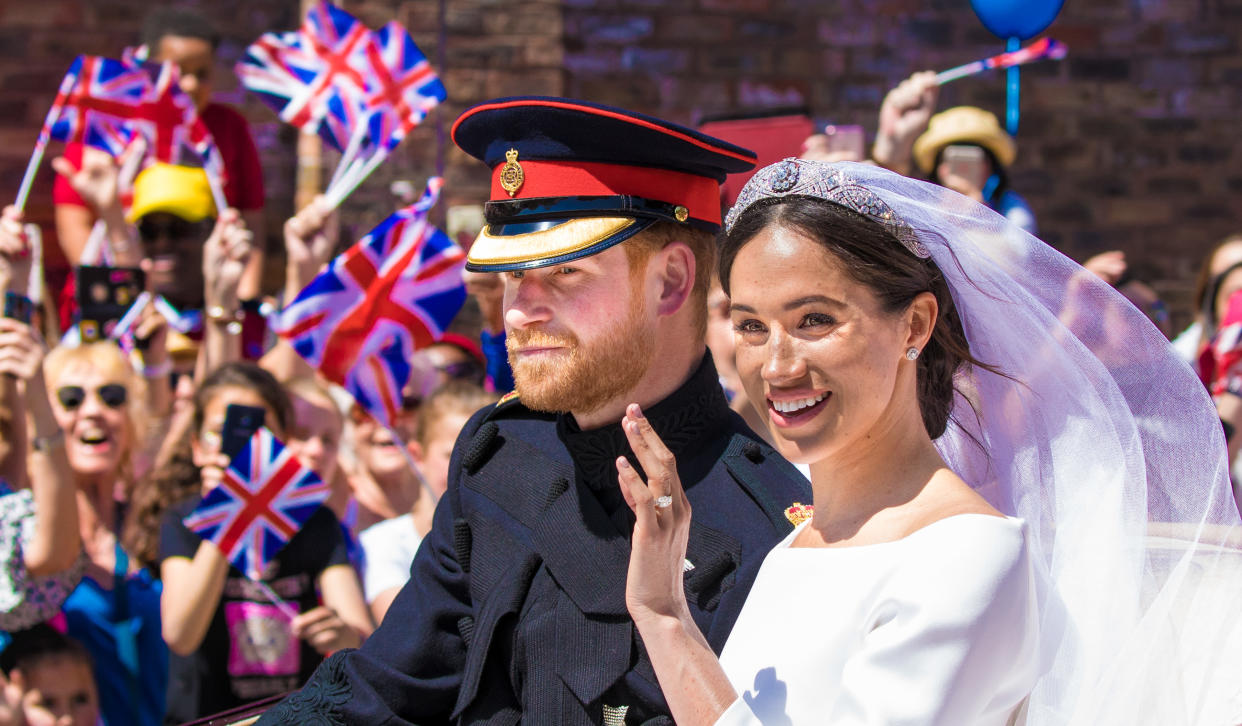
912, 353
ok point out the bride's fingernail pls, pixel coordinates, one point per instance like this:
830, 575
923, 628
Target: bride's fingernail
621, 462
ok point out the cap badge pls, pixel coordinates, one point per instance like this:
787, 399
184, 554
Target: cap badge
511, 175
681, 213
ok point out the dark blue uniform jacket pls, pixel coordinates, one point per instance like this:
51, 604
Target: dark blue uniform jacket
515, 608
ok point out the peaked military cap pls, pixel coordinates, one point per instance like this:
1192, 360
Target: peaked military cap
571, 178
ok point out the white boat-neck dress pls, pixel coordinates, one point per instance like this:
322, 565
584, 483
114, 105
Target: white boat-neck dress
940, 627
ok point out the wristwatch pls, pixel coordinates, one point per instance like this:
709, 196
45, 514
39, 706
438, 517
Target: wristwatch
44, 444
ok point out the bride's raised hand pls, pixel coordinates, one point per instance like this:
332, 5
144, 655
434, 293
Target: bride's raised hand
654, 587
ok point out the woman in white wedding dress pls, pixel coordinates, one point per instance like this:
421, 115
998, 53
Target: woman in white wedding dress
1014, 520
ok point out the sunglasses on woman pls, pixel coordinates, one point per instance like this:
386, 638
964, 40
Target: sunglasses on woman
113, 395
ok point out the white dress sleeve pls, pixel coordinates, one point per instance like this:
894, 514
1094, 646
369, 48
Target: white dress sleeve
944, 645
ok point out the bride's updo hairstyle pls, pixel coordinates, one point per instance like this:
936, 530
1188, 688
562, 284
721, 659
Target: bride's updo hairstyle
873, 257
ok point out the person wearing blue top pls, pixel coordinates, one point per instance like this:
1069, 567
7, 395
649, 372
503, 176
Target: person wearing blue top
118, 621
115, 610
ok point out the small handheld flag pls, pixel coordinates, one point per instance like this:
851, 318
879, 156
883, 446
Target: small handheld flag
360, 91
394, 292
1042, 49
95, 98
265, 497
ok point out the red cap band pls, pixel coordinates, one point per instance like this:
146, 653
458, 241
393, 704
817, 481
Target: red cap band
698, 194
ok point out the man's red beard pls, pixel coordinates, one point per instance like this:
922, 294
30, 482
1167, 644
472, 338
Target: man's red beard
581, 378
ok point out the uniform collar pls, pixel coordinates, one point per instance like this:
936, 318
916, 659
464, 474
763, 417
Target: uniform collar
683, 420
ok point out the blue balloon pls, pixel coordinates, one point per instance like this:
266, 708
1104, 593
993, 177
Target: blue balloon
1016, 18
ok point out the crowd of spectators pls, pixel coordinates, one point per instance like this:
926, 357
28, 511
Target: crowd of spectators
110, 603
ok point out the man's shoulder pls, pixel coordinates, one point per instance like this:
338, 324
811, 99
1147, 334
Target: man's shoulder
500, 441
508, 414
767, 477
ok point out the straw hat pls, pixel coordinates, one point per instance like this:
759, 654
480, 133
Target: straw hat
180, 190
963, 125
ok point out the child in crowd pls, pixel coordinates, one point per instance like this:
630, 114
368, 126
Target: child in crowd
234, 645
315, 438
390, 545
49, 681
189, 41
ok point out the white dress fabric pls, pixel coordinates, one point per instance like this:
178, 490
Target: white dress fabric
389, 548
940, 627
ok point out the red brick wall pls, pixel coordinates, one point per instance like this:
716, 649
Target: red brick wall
1130, 143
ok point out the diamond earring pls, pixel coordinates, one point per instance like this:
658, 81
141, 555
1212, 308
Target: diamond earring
912, 353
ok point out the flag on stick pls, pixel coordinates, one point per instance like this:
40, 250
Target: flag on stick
394, 292
265, 497
1042, 49
360, 91
94, 98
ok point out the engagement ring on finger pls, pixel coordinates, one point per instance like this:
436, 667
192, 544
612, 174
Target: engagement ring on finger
664, 502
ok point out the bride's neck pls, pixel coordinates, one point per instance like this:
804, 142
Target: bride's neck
887, 467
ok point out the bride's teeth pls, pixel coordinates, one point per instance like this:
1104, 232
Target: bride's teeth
794, 406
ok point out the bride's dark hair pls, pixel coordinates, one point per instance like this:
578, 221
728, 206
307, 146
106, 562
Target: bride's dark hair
873, 257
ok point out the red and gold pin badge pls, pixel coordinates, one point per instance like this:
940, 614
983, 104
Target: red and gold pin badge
797, 513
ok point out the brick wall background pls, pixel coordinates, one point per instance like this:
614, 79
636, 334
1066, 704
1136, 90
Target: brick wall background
1128, 144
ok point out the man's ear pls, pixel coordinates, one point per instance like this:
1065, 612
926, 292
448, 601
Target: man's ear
675, 265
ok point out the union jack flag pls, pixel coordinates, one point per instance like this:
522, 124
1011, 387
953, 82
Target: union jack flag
169, 120
402, 86
265, 497
340, 44
309, 74
341, 116
269, 68
389, 295
96, 107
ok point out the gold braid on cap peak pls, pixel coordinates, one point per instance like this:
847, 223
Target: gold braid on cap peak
804, 178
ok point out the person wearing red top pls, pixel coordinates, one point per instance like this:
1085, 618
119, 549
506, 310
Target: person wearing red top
187, 39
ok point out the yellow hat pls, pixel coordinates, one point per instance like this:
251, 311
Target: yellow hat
963, 125
179, 190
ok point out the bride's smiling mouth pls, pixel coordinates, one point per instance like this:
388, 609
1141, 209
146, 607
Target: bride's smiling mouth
794, 409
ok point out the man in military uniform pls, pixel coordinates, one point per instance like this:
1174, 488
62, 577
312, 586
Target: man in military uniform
602, 224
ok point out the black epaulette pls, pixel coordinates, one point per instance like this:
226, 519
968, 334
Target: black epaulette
775, 484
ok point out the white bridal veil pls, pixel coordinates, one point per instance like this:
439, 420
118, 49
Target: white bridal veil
1101, 438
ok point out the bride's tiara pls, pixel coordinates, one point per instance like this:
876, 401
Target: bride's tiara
830, 182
